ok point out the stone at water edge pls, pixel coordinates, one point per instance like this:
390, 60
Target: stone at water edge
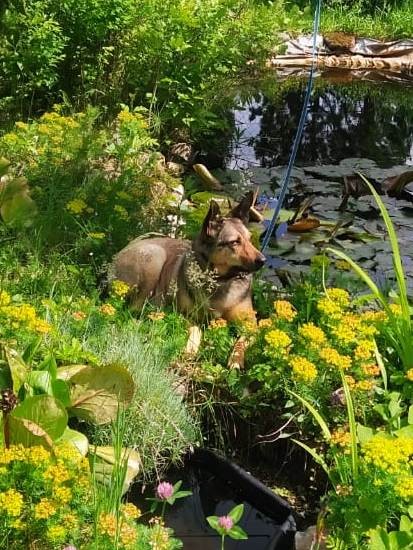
306, 540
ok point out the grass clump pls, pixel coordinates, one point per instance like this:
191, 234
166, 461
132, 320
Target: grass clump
157, 423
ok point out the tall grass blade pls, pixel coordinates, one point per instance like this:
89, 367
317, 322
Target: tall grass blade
320, 420
352, 426
317, 457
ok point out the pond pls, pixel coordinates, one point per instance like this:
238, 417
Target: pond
353, 125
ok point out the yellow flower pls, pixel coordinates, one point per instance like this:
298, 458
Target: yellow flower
40, 326
107, 524
5, 298
128, 535
79, 315
370, 369
339, 295
396, 309
344, 333
404, 487
264, 323
341, 437
389, 454
130, 511
11, 502
44, 509
70, 521
278, 339
62, 494
364, 349
350, 381
97, 236
311, 332
56, 533
126, 116
329, 308
364, 385
107, 309
303, 369
76, 206
68, 453
21, 125
159, 536
372, 316
333, 358
120, 288
159, 315
409, 375
57, 473
37, 455
17, 524
284, 310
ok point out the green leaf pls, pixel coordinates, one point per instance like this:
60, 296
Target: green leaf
410, 415
16, 206
364, 433
40, 380
37, 420
405, 524
4, 167
213, 522
18, 368
236, 513
60, 391
77, 439
182, 494
317, 457
237, 533
379, 540
103, 460
96, 393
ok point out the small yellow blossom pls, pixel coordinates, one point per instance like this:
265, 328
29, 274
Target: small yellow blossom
44, 509
388, 453
396, 309
372, 316
62, 494
339, 295
97, 236
11, 502
370, 369
107, 524
158, 316
56, 533
17, 524
350, 381
404, 487
341, 437
364, 385
126, 116
364, 349
409, 374
76, 206
128, 535
40, 326
130, 511
21, 125
303, 369
311, 332
79, 315
264, 323
284, 310
37, 455
278, 339
120, 288
329, 308
107, 309
57, 473
333, 358
344, 333
5, 298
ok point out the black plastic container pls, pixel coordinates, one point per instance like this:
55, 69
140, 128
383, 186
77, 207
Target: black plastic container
218, 485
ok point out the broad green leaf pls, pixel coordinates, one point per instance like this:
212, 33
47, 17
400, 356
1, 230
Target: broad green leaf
67, 372
17, 208
237, 533
406, 524
236, 513
43, 411
28, 433
213, 522
60, 391
77, 439
103, 460
364, 433
17, 366
40, 380
96, 393
379, 540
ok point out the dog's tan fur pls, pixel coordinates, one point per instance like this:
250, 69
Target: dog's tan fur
212, 275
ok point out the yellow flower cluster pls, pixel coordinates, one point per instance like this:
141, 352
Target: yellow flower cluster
341, 437
57, 473
22, 314
159, 315
278, 339
404, 487
371, 369
128, 535
409, 375
120, 288
107, 524
130, 511
76, 206
333, 358
5, 298
390, 454
107, 309
303, 369
98, 236
364, 349
311, 332
11, 502
329, 308
159, 536
62, 494
56, 533
264, 323
344, 333
285, 310
44, 509
339, 296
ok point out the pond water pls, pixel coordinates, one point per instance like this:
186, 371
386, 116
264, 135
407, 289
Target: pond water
353, 125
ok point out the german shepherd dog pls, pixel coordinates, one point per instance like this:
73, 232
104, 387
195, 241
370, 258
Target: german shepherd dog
209, 277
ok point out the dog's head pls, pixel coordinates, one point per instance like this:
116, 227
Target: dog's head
225, 242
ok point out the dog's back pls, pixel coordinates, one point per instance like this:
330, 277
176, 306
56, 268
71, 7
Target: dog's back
149, 267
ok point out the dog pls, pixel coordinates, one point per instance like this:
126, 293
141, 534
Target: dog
209, 277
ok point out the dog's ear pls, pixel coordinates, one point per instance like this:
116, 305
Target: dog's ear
241, 211
211, 220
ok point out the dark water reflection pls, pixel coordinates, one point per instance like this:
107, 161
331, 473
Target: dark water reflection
363, 119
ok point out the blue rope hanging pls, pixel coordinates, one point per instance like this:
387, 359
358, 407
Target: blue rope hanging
298, 135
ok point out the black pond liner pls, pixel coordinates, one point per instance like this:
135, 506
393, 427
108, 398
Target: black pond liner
217, 485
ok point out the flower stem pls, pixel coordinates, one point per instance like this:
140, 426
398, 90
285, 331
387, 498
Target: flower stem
222, 542
163, 509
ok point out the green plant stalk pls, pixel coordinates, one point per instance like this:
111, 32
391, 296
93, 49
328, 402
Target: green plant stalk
222, 542
352, 426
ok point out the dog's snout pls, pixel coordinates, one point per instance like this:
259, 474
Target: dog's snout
260, 261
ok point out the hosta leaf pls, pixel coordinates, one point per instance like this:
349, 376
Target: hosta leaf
77, 439
96, 393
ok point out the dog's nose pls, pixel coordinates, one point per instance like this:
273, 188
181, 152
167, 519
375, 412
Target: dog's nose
260, 261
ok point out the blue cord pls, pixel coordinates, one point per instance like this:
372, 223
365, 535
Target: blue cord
298, 135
